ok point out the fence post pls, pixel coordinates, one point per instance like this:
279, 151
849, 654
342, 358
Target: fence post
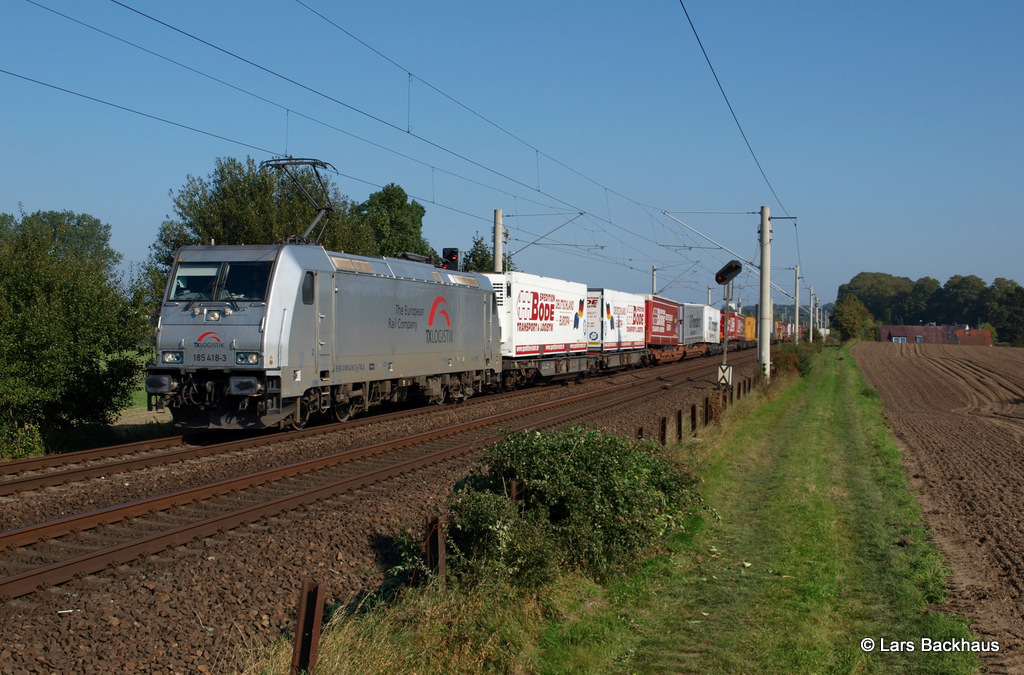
307, 632
434, 548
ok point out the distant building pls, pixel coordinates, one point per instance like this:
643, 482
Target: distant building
936, 335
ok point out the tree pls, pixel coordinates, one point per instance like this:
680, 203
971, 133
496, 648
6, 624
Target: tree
240, 203
70, 334
963, 300
396, 223
480, 258
852, 318
1004, 301
922, 305
882, 294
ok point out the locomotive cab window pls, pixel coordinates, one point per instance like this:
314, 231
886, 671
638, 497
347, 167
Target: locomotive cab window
246, 281
194, 281
242, 281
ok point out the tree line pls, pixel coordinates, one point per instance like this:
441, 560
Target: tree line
872, 299
75, 332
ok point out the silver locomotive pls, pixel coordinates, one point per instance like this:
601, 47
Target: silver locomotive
266, 336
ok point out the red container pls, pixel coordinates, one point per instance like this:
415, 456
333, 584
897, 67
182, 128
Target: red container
735, 323
663, 318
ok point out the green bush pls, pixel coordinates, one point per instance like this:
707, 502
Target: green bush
20, 441
70, 327
593, 502
788, 357
492, 539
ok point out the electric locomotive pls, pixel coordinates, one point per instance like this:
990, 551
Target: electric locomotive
252, 337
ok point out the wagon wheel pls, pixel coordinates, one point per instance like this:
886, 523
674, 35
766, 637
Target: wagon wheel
508, 381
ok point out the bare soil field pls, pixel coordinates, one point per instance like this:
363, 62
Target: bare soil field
958, 414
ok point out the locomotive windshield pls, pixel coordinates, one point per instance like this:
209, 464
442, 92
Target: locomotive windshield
240, 281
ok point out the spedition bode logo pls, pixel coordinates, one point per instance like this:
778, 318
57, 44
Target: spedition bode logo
533, 306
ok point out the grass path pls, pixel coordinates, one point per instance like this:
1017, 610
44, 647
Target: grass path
817, 545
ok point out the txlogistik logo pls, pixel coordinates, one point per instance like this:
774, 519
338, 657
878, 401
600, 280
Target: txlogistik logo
438, 311
208, 339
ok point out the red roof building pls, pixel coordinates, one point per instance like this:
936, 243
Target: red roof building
936, 335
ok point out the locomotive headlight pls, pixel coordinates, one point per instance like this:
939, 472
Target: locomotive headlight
171, 357
247, 358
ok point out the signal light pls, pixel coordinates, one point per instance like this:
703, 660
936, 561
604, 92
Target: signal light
729, 272
450, 258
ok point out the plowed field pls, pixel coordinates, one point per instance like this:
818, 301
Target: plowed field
958, 413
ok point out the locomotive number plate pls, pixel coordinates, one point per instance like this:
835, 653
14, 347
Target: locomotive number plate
207, 357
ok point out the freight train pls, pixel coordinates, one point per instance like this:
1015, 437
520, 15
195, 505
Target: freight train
252, 337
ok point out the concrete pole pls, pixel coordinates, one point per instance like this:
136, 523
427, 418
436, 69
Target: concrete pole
764, 333
499, 240
796, 301
814, 321
654, 281
810, 316
709, 295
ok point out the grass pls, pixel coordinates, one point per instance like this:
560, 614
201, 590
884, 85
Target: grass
819, 546
809, 542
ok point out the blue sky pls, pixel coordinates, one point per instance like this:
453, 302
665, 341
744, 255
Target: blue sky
892, 131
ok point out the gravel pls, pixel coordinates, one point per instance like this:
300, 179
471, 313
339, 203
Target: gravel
209, 605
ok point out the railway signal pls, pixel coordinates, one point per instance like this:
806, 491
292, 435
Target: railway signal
729, 272
450, 258
724, 277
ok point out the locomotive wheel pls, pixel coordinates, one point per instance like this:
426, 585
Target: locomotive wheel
303, 410
342, 412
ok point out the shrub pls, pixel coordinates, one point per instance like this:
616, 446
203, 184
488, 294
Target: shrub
20, 441
789, 357
593, 502
491, 538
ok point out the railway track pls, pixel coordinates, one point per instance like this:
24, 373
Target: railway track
52, 470
47, 554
